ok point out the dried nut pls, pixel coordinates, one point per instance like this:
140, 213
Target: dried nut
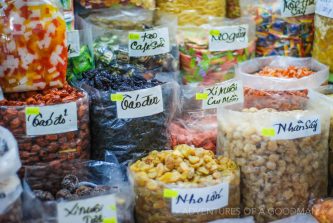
64, 194
70, 182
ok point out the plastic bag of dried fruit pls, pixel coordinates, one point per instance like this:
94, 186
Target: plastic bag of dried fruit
282, 156
33, 53
48, 125
59, 191
280, 83
10, 200
284, 27
92, 4
186, 184
209, 52
135, 37
129, 114
10, 161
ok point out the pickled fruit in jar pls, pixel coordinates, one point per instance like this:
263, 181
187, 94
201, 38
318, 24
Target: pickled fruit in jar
33, 52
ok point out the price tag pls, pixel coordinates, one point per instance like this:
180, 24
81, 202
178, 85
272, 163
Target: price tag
73, 43
325, 8
226, 93
292, 8
140, 103
53, 119
196, 200
293, 128
229, 38
99, 209
149, 43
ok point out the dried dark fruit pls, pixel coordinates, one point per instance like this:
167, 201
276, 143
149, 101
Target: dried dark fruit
83, 191
63, 193
43, 195
70, 182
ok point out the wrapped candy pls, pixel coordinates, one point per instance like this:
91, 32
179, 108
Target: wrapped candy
33, 52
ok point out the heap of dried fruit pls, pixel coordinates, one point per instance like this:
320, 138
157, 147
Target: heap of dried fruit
290, 72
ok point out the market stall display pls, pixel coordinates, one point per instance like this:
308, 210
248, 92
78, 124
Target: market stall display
282, 155
90, 184
49, 125
135, 120
33, 51
159, 175
188, 11
208, 53
91, 4
280, 83
283, 28
135, 37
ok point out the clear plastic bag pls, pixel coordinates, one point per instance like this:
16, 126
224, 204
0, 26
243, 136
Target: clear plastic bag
149, 175
48, 178
127, 138
10, 200
282, 156
281, 93
199, 63
111, 33
91, 4
278, 34
34, 53
10, 161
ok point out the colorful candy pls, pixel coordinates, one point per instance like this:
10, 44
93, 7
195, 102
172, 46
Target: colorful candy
33, 52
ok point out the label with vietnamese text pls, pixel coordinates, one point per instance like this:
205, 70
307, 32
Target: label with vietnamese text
293, 128
226, 93
229, 38
325, 8
140, 103
101, 209
53, 119
149, 43
292, 8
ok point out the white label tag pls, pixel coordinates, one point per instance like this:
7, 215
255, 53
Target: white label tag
149, 43
196, 200
101, 209
53, 119
140, 103
1, 94
292, 8
227, 93
73, 43
294, 128
325, 8
229, 38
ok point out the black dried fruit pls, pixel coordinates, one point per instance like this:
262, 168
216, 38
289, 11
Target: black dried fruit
70, 182
64, 194
43, 195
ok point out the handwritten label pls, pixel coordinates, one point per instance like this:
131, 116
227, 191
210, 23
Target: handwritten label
140, 103
1, 94
229, 38
99, 209
292, 8
73, 43
198, 200
325, 8
149, 43
226, 93
53, 119
294, 128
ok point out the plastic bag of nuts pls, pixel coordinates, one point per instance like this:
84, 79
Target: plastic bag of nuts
282, 156
89, 184
56, 109
10, 200
179, 185
280, 82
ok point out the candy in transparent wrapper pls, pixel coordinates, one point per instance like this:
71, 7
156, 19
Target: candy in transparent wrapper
88, 4
10, 200
282, 156
34, 53
111, 29
48, 177
200, 62
10, 161
152, 204
279, 92
280, 33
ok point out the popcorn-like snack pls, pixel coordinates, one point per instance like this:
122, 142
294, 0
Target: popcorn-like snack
185, 167
33, 52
